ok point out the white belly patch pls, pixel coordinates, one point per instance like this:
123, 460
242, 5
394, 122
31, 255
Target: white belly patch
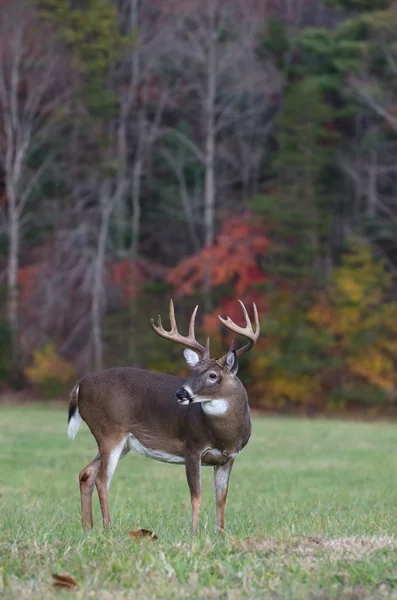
135, 444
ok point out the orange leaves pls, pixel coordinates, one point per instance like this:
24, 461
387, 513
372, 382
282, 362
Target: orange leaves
321, 314
234, 259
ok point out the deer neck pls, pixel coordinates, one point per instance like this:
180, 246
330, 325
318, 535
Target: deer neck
228, 418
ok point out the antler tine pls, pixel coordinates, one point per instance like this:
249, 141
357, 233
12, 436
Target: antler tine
189, 341
192, 323
174, 328
192, 335
257, 326
246, 331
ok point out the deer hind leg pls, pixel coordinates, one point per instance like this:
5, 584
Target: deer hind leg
110, 456
221, 484
87, 479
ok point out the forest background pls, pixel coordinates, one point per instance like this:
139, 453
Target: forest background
205, 150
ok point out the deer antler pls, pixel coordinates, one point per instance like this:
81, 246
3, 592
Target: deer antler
189, 341
246, 331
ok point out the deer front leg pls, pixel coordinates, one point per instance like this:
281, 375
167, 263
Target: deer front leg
221, 484
193, 475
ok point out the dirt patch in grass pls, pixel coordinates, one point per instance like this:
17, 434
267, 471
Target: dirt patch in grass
308, 546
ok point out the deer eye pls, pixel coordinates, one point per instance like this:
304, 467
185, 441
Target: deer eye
213, 375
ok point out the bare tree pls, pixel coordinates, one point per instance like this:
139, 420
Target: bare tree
108, 199
142, 96
33, 87
215, 49
369, 161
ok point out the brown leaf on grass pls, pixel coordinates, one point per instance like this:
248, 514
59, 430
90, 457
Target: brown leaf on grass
65, 581
143, 533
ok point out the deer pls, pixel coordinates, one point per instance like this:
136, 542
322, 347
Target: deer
203, 420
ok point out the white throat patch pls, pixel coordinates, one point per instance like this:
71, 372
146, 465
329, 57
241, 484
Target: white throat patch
213, 407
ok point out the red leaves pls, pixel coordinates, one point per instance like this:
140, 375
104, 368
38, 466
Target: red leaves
127, 275
233, 259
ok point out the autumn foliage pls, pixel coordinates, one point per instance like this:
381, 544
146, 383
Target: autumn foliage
361, 325
121, 166
338, 349
233, 264
49, 372
321, 348
127, 277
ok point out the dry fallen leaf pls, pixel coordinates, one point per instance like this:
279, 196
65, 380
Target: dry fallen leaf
143, 533
64, 581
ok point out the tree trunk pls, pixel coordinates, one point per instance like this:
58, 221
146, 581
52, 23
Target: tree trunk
98, 291
122, 156
209, 184
372, 186
12, 283
107, 204
136, 204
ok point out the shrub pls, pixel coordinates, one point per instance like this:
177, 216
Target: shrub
50, 373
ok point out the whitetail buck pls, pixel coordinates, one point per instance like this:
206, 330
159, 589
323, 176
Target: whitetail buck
204, 420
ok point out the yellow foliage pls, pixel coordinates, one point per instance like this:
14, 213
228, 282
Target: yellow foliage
352, 290
374, 366
346, 339
48, 366
321, 314
360, 313
298, 389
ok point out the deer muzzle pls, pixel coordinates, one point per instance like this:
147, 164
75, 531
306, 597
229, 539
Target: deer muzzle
183, 396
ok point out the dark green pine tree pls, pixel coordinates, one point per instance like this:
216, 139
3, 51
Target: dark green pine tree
296, 206
92, 34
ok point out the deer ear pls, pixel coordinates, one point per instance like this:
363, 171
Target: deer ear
191, 357
231, 363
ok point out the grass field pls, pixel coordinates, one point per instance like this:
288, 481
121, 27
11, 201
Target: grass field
312, 513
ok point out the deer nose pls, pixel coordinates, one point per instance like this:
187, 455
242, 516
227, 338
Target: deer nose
183, 396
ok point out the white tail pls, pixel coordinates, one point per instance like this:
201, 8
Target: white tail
74, 414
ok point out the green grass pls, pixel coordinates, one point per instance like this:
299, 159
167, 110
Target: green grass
312, 513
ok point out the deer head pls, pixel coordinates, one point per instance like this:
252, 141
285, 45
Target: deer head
211, 378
